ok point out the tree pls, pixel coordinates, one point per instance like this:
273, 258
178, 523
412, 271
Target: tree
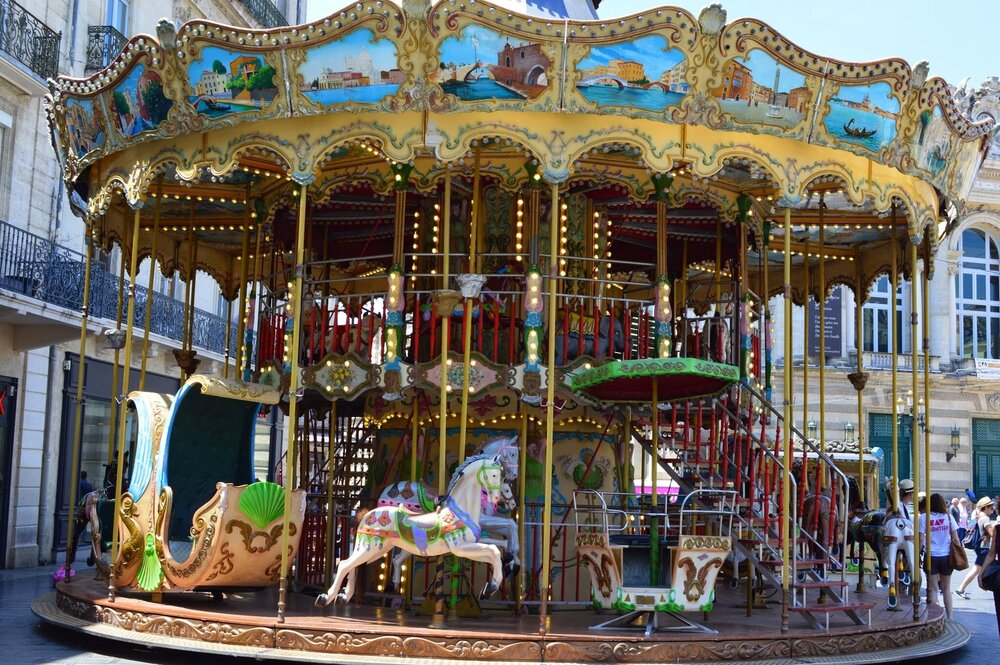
235, 85
218, 67
121, 104
157, 105
262, 79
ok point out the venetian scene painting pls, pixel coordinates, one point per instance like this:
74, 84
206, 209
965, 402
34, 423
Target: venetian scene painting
225, 81
932, 141
482, 64
757, 89
138, 103
863, 114
355, 68
84, 125
644, 73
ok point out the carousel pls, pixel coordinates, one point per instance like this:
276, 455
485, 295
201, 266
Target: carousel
511, 283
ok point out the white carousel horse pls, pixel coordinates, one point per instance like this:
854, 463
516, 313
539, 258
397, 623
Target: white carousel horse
452, 529
897, 537
414, 496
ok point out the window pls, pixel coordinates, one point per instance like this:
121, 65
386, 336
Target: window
977, 296
118, 11
877, 326
6, 123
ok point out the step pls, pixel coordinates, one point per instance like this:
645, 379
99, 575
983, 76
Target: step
819, 584
800, 563
827, 608
771, 540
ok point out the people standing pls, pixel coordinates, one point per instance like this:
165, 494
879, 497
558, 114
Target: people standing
963, 516
991, 555
944, 532
984, 510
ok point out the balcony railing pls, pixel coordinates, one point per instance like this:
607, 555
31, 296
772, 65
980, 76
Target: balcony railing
266, 13
104, 43
28, 40
38, 268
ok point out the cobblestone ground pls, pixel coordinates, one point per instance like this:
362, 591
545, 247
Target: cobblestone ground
25, 639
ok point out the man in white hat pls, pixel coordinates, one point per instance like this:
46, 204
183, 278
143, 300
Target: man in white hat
905, 500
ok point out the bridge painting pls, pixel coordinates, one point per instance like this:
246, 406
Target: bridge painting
481, 64
643, 73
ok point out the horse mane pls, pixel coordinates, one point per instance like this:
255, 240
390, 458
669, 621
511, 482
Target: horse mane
469, 461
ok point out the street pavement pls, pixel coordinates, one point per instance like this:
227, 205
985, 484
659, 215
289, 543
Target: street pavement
25, 639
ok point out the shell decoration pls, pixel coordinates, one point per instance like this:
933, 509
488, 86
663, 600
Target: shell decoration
150, 575
263, 503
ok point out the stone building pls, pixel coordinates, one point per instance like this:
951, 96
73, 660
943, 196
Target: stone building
41, 264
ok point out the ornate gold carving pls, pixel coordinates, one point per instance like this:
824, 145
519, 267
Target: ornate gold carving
224, 565
188, 629
249, 535
233, 389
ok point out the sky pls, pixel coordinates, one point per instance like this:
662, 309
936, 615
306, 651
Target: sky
334, 56
648, 50
958, 38
762, 67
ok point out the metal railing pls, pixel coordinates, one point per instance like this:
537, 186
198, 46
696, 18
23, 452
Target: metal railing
266, 13
24, 37
104, 43
36, 267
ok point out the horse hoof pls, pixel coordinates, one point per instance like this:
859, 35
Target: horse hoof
489, 590
322, 600
90, 561
506, 559
510, 571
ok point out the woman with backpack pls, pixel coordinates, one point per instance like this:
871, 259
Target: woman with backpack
979, 540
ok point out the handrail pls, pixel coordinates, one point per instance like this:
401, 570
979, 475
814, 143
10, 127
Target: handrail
27, 39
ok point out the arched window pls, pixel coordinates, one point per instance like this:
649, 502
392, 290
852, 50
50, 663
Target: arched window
977, 295
877, 325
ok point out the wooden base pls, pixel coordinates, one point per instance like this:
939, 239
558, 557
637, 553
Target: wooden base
245, 624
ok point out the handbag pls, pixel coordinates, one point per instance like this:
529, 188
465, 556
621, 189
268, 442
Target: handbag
989, 579
957, 558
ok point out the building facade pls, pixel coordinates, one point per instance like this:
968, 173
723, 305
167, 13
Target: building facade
42, 262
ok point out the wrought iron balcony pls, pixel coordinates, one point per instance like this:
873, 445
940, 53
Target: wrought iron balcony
35, 267
266, 13
104, 43
24, 37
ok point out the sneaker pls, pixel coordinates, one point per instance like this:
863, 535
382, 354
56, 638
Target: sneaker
962, 594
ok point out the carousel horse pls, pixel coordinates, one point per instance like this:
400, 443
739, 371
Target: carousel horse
867, 530
452, 529
819, 510
897, 538
568, 334
87, 514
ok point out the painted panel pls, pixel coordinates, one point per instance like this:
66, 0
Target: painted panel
933, 141
224, 81
864, 115
358, 68
644, 73
757, 89
85, 126
480, 64
138, 103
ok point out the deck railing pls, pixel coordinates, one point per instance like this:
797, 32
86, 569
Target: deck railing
104, 43
266, 13
38, 268
27, 39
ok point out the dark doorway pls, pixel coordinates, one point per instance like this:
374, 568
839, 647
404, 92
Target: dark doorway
8, 392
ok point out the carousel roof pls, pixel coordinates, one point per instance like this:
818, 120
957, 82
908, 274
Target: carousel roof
211, 130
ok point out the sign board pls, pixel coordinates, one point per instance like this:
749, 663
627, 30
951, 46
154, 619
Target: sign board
834, 325
988, 370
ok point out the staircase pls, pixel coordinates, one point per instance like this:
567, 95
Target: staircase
734, 442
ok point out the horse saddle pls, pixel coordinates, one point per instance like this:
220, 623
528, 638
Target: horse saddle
421, 530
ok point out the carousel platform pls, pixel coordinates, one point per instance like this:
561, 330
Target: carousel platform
244, 625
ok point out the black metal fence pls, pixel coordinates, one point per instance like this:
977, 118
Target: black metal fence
36, 267
266, 13
104, 43
24, 37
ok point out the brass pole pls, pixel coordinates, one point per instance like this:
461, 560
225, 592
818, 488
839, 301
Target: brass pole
821, 306
149, 289
925, 320
194, 290
467, 311
293, 388
241, 324
330, 544
123, 408
113, 417
437, 621
859, 348
229, 330
245, 314
654, 464
914, 431
894, 275
806, 299
522, 513
786, 442
544, 582
74, 486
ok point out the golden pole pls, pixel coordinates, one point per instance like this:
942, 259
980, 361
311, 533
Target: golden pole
544, 582
245, 314
522, 513
894, 275
194, 290
925, 320
859, 348
149, 289
805, 341
293, 388
229, 330
786, 442
467, 312
821, 306
414, 424
115, 371
437, 621
654, 462
241, 324
914, 425
74, 486
123, 409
